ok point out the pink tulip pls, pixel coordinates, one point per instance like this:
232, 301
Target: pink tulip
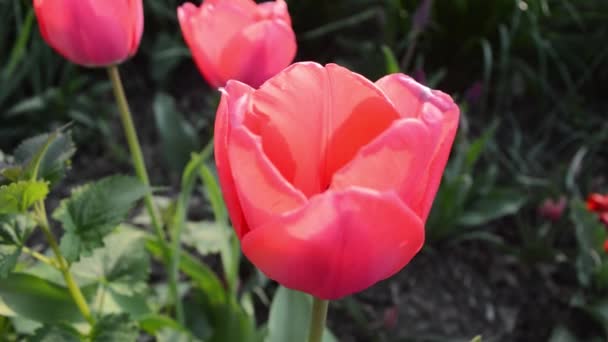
91, 32
328, 177
237, 39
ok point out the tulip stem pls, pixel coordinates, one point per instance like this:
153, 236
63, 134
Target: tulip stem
140, 166
317, 320
62, 264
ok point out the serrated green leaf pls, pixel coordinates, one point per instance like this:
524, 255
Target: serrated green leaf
114, 328
55, 333
18, 197
95, 210
53, 163
207, 237
14, 229
9, 255
13, 232
123, 263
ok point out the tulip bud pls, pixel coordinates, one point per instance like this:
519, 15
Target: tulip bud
91, 32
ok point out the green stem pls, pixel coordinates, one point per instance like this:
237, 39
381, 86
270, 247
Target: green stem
317, 320
140, 170
40, 257
64, 268
134, 147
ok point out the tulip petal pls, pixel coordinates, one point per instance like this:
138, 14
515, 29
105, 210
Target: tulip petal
323, 116
440, 114
230, 105
406, 94
262, 190
258, 52
339, 244
137, 19
396, 160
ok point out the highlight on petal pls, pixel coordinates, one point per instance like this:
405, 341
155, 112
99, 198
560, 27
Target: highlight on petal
340, 243
323, 116
231, 106
396, 160
263, 193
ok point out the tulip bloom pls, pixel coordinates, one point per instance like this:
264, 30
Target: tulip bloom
91, 32
237, 39
328, 177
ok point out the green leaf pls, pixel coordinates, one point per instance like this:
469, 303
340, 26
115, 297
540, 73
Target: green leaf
390, 61
562, 334
154, 323
498, 203
13, 232
94, 210
114, 328
590, 235
219, 322
207, 237
56, 333
202, 276
289, 317
123, 263
172, 335
18, 197
229, 247
178, 136
53, 163
37, 299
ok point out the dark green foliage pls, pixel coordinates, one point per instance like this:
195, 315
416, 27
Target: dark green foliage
94, 210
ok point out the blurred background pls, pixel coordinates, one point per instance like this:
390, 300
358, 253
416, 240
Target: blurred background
512, 252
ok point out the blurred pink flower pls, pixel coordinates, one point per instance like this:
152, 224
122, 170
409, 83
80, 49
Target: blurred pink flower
390, 317
552, 209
